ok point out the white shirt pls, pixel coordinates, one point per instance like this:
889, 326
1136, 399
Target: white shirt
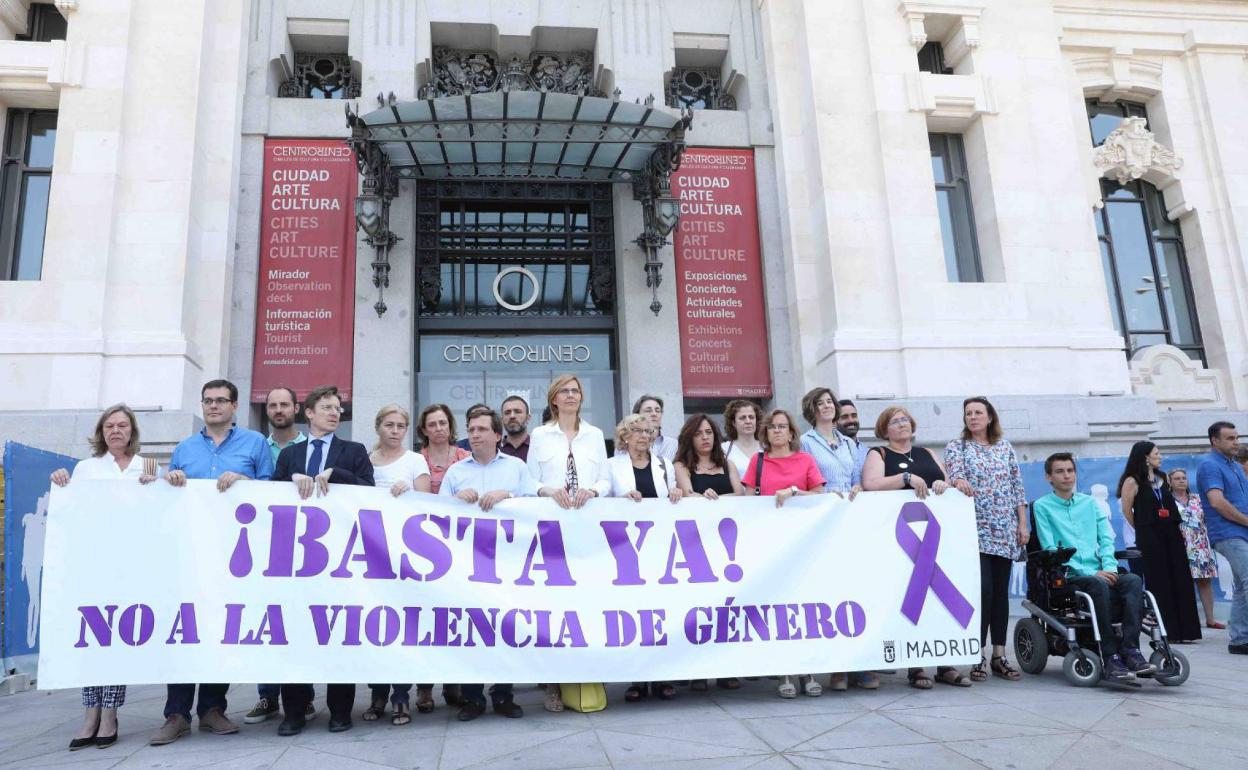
737, 457
409, 467
548, 457
104, 468
623, 480
503, 472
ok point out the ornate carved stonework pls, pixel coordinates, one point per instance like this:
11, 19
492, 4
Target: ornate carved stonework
1131, 151
458, 72
321, 76
698, 88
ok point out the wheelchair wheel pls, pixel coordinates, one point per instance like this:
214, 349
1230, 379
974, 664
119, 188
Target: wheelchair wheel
1031, 647
1082, 672
1174, 674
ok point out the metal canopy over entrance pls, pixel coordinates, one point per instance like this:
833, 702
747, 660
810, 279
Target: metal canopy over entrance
521, 134
507, 134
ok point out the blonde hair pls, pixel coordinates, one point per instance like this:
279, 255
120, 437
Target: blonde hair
625, 426
553, 391
389, 409
99, 446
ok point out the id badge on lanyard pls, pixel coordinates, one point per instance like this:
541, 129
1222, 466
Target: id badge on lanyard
1162, 511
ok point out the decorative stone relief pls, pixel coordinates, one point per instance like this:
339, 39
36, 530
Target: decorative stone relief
1131, 152
458, 72
1166, 374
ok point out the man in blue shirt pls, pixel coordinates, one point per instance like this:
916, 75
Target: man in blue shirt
227, 453
1223, 488
487, 478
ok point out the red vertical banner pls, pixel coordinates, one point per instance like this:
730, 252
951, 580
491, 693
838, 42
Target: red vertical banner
305, 309
719, 276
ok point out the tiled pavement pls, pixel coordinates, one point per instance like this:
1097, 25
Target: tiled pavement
1037, 723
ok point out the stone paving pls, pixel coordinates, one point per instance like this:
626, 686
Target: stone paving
1039, 722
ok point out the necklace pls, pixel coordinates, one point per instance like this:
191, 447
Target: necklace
908, 455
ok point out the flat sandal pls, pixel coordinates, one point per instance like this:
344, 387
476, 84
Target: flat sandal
1002, 668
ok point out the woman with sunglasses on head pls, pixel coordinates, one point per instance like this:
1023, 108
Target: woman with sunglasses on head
982, 465
781, 469
899, 464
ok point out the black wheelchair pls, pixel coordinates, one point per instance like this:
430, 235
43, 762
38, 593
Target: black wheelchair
1063, 624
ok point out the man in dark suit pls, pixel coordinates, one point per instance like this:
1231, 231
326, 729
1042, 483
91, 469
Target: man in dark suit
313, 465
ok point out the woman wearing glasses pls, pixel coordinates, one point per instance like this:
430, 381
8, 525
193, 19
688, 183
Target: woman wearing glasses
569, 455
782, 470
639, 474
899, 464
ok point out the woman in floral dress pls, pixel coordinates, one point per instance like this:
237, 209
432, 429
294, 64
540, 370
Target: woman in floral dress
1199, 552
982, 465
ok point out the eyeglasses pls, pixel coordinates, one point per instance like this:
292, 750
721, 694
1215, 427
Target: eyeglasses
899, 421
568, 392
643, 431
778, 427
221, 401
328, 409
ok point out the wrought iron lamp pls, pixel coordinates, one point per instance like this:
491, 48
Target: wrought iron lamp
372, 205
660, 209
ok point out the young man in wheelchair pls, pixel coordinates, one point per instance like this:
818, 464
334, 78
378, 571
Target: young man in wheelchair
1072, 519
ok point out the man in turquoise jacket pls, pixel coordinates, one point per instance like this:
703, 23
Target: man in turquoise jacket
1070, 519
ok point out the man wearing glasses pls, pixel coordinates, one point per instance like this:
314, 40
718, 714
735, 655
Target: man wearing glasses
312, 465
227, 453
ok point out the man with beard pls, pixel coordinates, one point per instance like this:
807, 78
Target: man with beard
847, 424
516, 424
280, 406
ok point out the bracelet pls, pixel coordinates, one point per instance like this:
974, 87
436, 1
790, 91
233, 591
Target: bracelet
905, 480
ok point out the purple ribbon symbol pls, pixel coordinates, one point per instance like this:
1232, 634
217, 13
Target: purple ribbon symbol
927, 573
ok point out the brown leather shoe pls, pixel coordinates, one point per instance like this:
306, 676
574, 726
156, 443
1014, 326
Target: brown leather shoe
217, 723
174, 728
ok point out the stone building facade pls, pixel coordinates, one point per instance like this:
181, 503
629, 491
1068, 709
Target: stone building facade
1041, 201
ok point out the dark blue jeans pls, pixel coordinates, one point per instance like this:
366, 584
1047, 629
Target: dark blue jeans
180, 697
1125, 600
402, 692
476, 693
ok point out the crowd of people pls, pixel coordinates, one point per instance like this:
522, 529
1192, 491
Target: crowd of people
1177, 528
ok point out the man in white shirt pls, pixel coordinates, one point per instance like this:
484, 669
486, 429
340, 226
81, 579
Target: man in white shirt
487, 478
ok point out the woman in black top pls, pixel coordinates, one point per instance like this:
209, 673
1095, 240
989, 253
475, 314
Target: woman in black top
1149, 507
703, 469
701, 466
899, 464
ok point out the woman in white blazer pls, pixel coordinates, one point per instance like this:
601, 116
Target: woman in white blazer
627, 473
567, 453
637, 475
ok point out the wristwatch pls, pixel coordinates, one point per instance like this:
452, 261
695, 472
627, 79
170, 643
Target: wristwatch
905, 480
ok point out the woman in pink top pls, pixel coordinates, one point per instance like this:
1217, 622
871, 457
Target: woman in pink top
436, 429
786, 471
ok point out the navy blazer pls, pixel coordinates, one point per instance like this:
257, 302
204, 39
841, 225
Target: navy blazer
348, 459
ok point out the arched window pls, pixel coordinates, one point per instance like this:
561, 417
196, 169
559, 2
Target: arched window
1142, 252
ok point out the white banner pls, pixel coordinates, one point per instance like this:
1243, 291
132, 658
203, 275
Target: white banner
158, 584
